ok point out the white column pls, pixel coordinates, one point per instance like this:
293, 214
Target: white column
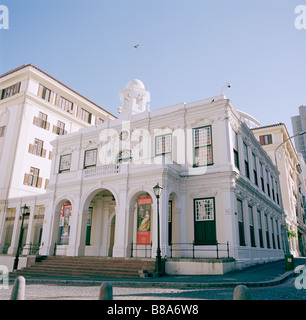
74, 223
246, 222
26, 249
103, 251
256, 230
163, 219
122, 210
230, 220
49, 234
15, 235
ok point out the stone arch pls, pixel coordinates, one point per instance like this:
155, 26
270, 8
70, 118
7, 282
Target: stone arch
140, 239
61, 224
97, 233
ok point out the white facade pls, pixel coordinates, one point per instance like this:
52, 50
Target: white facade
34, 109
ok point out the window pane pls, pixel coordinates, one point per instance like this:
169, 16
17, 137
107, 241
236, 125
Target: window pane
204, 209
202, 137
163, 144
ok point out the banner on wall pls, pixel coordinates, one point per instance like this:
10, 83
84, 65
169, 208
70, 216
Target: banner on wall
144, 220
64, 224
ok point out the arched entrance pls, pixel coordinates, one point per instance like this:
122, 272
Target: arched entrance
62, 227
140, 226
100, 211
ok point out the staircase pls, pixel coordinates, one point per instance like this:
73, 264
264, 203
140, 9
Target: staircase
89, 267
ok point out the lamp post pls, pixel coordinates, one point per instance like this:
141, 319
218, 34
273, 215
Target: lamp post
25, 213
284, 233
158, 263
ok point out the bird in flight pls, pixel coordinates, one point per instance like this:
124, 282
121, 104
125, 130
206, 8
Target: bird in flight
137, 45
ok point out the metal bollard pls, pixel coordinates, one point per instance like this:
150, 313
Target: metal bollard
106, 291
242, 293
18, 289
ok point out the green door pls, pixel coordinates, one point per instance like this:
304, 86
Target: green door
205, 221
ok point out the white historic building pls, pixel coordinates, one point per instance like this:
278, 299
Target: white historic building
100, 199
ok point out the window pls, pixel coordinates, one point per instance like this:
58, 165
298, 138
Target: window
60, 128
255, 169
163, 145
262, 177
90, 158
240, 222
276, 188
267, 231
46, 93
235, 149
99, 120
272, 184
41, 121
260, 229
246, 161
273, 239
268, 184
32, 179
10, 91
37, 148
202, 142
277, 234
65, 163
2, 131
266, 139
84, 115
204, 210
65, 104
251, 220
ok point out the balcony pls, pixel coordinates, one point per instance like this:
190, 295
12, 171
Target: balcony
107, 170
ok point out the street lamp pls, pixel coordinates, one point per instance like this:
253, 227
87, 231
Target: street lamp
158, 265
285, 238
25, 213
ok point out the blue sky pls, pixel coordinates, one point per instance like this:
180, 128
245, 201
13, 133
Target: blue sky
188, 50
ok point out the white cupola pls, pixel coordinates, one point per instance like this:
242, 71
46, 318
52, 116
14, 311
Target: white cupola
134, 98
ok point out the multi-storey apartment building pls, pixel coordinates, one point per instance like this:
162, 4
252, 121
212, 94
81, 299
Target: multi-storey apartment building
35, 108
299, 126
276, 138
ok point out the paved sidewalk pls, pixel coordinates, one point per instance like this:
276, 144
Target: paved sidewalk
268, 274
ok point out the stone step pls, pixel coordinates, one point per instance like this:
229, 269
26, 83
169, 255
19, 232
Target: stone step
92, 267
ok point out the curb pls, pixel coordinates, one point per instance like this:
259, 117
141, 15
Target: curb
133, 283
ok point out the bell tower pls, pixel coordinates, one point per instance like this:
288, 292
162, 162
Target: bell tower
134, 99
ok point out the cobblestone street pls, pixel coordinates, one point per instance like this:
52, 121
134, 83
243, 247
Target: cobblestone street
285, 291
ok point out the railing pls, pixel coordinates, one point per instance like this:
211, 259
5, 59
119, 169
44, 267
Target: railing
106, 170
144, 248
194, 251
31, 248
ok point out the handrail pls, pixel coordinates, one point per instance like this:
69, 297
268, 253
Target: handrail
196, 247
141, 248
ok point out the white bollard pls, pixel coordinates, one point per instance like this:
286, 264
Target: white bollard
18, 289
242, 293
106, 291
